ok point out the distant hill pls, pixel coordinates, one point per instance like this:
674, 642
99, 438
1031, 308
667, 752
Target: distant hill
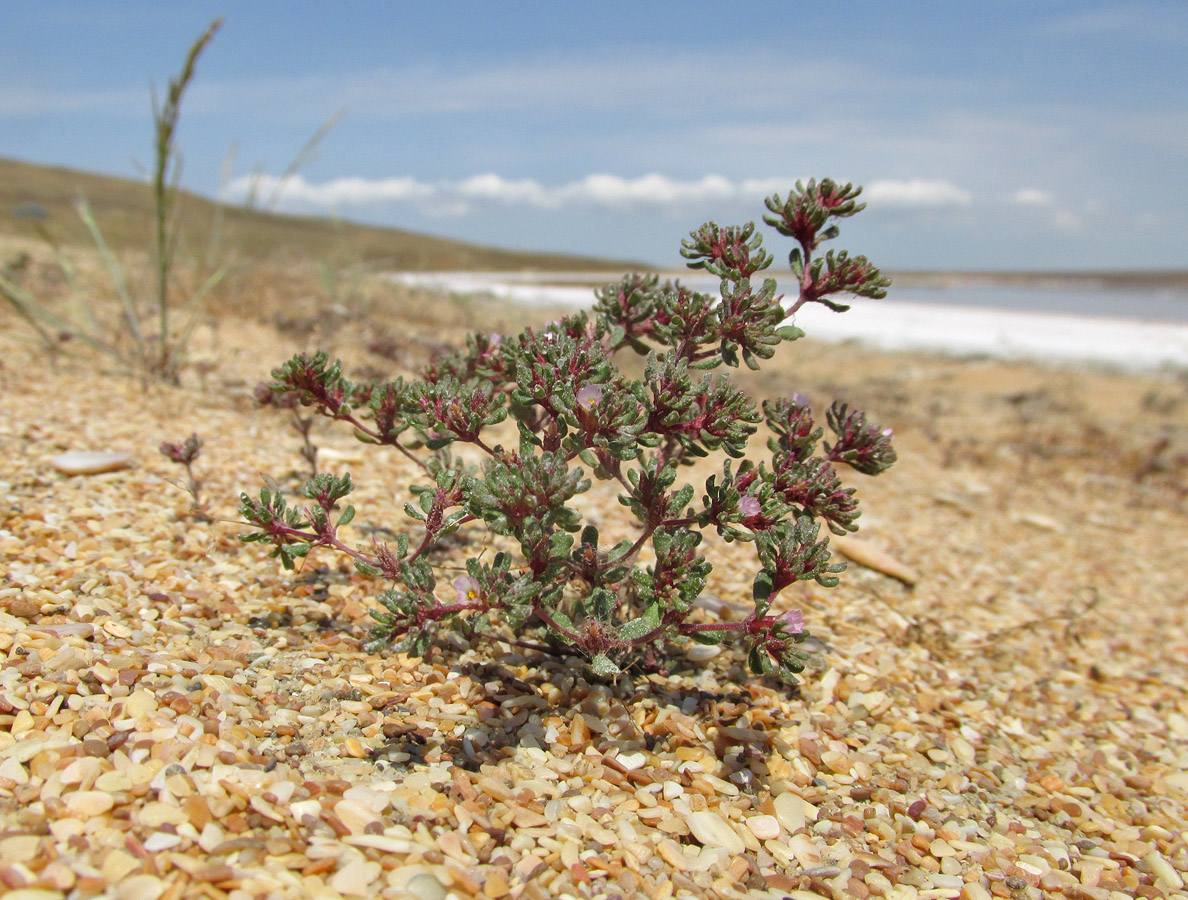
123, 208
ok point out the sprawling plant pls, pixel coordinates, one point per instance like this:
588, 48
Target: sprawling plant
579, 418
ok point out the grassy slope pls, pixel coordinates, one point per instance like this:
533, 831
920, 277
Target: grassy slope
123, 208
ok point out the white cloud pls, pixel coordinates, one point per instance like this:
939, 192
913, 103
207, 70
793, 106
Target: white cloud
1032, 197
599, 190
918, 193
457, 197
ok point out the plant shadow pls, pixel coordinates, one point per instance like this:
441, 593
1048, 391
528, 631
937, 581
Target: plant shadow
541, 701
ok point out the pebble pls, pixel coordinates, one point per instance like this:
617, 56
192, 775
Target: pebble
87, 804
714, 831
765, 828
1163, 870
90, 462
426, 887
794, 812
354, 879
140, 887
869, 556
632, 761
161, 840
806, 851
703, 652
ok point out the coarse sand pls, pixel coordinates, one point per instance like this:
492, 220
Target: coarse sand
181, 717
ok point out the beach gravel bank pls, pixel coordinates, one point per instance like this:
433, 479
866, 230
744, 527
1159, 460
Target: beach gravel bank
181, 717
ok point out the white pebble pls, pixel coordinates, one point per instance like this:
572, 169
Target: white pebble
714, 831
794, 811
765, 828
89, 462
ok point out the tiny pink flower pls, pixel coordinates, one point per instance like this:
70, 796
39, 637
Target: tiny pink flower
792, 620
749, 507
467, 588
589, 396
800, 400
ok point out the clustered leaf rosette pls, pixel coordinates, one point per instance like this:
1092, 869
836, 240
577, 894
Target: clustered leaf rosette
579, 420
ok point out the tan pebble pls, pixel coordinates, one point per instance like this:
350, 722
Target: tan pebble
463, 879
114, 782
22, 722
765, 828
974, 891
354, 879
354, 816
197, 811
940, 848
672, 790
496, 885
86, 804
354, 747
837, 762
1178, 724
14, 772
33, 894
963, 750
140, 887
794, 811
142, 703
117, 865
84, 769
871, 557
1163, 870
806, 851
19, 848
714, 831
672, 854
213, 873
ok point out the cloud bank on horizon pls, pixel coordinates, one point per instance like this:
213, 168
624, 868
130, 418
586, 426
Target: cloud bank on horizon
1028, 136
460, 198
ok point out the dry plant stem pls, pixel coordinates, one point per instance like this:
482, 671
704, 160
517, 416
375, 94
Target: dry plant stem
164, 190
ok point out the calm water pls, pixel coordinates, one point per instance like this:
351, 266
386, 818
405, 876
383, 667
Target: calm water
1135, 330
577, 289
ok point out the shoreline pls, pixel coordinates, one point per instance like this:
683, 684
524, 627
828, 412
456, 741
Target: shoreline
1128, 344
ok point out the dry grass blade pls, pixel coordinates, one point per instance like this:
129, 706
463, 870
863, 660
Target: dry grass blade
165, 118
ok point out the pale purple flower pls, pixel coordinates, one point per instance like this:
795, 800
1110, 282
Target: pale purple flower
792, 620
589, 396
887, 432
467, 588
749, 507
800, 400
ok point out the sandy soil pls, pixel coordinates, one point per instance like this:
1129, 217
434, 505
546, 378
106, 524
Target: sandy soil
181, 717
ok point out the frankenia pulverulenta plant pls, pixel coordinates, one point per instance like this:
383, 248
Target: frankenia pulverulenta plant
579, 418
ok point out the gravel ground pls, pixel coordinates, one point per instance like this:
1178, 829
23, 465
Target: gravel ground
1005, 718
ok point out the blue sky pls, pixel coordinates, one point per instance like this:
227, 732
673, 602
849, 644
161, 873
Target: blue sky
1034, 134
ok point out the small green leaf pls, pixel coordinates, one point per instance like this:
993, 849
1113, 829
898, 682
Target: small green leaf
604, 666
367, 569
645, 624
789, 332
347, 515
763, 585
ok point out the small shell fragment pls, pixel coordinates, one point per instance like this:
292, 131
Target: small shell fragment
90, 462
